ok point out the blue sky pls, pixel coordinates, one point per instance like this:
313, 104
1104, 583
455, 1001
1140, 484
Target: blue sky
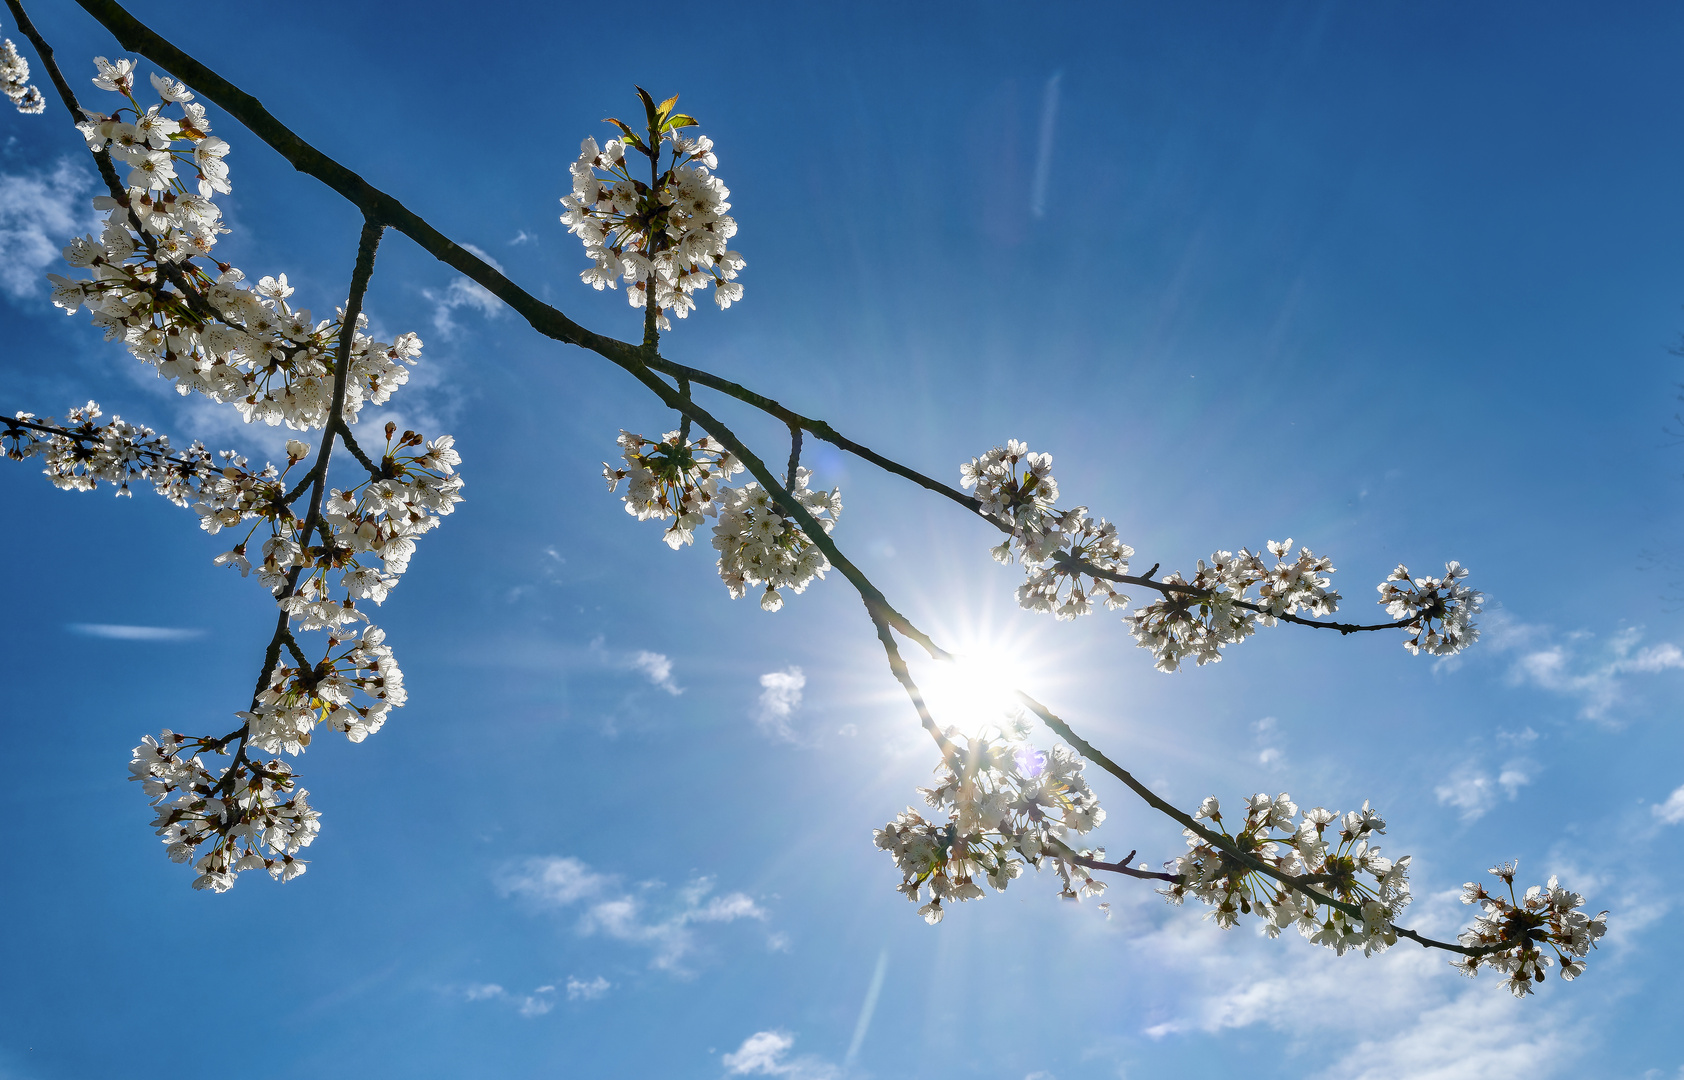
1396, 281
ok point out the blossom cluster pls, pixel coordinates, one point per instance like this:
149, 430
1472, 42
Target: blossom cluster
400, 498
1344, 865
1199, 623
1017, 490
81, 454
204, 327
319, 579
674, 479
298, 698
1545, 916
758, 545
1072, 561
1006, 804
1422, 602
667, 237
207, 331
413, 485
683, 482
253, 815
14, 81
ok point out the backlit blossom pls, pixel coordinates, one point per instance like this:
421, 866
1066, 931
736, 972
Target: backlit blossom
1531, 932
14, 80
674, 480
662, 228
1439, 611
1342, 864
153, 284
1004, 805
759, 546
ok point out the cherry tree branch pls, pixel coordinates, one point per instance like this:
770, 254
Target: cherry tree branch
381, 209
367, 245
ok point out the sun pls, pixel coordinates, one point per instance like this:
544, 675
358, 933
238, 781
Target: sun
976, 689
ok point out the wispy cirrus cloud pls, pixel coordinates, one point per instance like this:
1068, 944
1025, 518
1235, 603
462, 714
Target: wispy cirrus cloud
1475, 790
1579, 665
644, 915
463, 293
39, 213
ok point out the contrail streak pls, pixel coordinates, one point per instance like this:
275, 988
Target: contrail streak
867, 1007
1043, 158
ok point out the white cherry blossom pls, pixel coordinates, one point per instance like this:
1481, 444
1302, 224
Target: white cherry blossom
1006, 805
1345, 866
674, 479
14, 81
1439, 611
663, 231
759, 546
1518, 929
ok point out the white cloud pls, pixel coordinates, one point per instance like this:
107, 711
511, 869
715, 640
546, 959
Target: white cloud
608, 909
1670, 812
1576, 666
1476, 1036
1474, 791
536, 1003
579, 990
654, 666
657, 668
521, 237
1268, 731
780, 696
1418, 1019
133, 633
762, 1054
1043, 157
38, 216
460, 293
556, 881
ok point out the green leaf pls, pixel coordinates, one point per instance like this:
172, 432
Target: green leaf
679, 120
648, 107
666, 107
626, 133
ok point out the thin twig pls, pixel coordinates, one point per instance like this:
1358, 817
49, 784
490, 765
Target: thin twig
367, 244
350, 441
794, 455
